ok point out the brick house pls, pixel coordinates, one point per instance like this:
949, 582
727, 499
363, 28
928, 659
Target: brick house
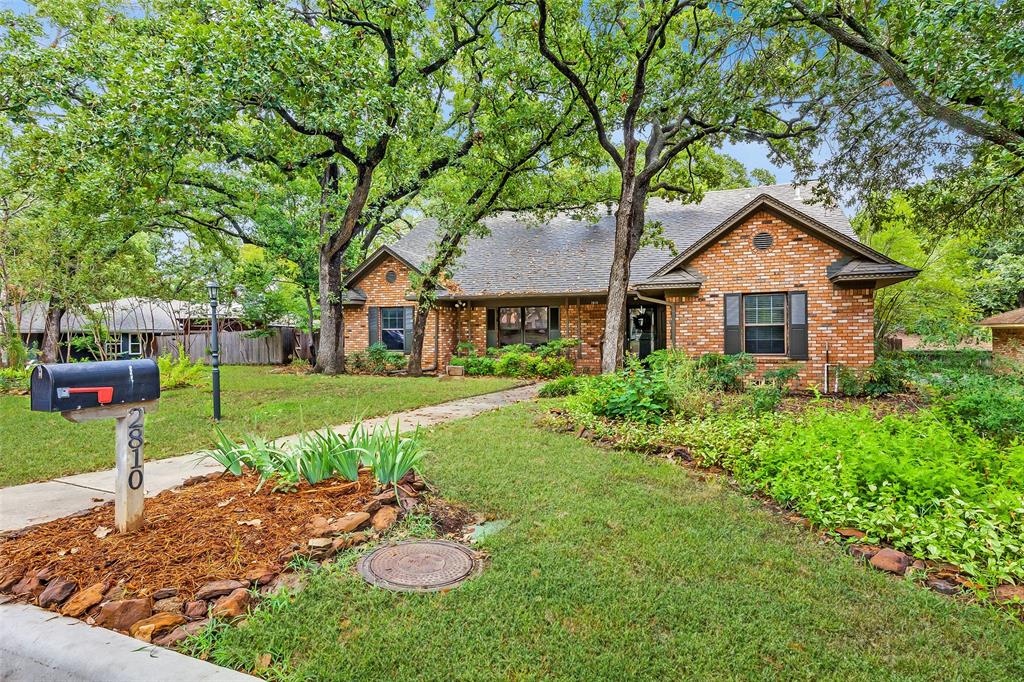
1007, 334
756, 270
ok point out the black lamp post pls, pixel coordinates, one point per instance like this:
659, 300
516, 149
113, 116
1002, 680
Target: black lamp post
213, 287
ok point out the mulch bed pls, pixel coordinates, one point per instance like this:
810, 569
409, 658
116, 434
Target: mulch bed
214, 530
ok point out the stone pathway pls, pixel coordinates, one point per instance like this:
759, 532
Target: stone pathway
32, 503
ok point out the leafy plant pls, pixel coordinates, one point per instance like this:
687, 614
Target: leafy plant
519, 360
14, 379
181, 371
391, 455
560, 387
326, 454
637, 393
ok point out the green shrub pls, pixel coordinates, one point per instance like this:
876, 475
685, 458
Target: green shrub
767, 394
934, 489
380, 360
14, 379
182, 371
637, 393
561, 387
727, 372
519, 360
993, 406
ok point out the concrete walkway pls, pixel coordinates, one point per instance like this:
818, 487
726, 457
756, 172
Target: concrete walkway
32, 503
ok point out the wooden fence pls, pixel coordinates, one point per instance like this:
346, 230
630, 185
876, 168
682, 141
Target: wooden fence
236, 348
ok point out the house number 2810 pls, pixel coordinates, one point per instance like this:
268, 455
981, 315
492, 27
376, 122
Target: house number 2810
135, 441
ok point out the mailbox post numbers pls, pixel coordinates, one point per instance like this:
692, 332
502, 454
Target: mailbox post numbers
129, 488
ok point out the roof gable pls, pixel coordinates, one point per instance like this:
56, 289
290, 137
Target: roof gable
785, 211
377, 256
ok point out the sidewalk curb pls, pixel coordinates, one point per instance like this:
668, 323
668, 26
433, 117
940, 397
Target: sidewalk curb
41, 646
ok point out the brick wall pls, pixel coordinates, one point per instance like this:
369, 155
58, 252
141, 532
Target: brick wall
840, 320
381, 293
1008, 343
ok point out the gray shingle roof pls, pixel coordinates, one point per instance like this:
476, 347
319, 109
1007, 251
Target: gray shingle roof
567, 255
847, 269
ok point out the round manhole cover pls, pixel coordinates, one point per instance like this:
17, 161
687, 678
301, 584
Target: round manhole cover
418, 566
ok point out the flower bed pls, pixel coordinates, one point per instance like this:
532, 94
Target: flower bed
940, 485
212, 548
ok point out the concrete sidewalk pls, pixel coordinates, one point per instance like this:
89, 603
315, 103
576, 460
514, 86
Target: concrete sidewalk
32, 503
41, 646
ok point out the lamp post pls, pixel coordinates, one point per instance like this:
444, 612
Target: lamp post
213, 287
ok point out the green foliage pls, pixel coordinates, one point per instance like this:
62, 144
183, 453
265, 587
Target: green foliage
561, 387
767, 394
886, 375
727, 372
547, 361
178, 370
324, 454
392, 455
377, 359
14, 379
637, 393
992, 405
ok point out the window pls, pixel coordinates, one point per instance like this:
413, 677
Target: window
532, 325
535, 324
112, 347
134, 345
392, 328
510, 326
764, 323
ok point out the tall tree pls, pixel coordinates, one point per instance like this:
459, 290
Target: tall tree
658, 79
929, 91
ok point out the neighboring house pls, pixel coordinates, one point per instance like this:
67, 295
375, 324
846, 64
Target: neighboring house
1007, 334
757, 270
134, 326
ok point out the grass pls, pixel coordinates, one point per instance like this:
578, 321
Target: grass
37, 446
617, 567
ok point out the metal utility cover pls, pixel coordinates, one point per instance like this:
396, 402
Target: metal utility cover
418, 566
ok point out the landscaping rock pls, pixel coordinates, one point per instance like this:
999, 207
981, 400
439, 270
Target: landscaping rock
47, 573
351, 540
121, 615
385, 518
10, 576
293, 582
56, 592
943, 586
114, 593
168, 605
233, 605
196, 609
891, 560
1008, 593
371, 506
172, 638
349, 522
195, 626
155, 625
84, 600
218, 588
164, 593
29, 586
863, 551
319, 543
386, 497
850, 533
261, 575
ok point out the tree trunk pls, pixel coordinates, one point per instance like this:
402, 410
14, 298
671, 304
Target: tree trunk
629, 223
330, 357
419, 332
50, 351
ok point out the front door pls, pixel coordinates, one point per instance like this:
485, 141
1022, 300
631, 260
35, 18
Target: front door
641, 330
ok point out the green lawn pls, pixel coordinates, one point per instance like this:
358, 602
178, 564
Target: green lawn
37, 446
616, 567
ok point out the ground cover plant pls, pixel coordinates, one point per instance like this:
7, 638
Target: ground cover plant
257, 400
546, 361
621, 567
943, 483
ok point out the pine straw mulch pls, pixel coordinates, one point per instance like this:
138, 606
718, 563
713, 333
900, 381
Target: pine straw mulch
214, 530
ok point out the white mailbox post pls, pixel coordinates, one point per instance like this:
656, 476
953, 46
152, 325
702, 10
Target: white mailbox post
122, 390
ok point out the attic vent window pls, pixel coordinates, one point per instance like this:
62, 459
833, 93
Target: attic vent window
391, 276
763, 241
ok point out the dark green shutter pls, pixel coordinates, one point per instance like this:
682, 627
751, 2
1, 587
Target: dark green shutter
554, 324
410, 316
798, 325
733, 343
373, 316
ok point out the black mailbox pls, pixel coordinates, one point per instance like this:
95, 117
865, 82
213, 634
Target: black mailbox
80, 385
